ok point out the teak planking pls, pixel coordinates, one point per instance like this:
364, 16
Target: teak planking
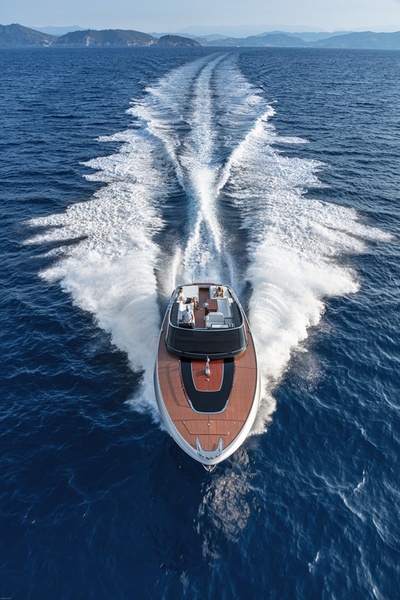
207, 427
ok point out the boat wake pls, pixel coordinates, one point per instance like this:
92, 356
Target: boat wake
198, 190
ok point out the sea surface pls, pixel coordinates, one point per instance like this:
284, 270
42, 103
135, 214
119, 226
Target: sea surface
126, 172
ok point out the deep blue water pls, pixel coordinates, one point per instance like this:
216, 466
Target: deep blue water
125, 172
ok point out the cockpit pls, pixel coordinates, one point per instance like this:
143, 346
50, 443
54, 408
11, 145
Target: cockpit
205, 320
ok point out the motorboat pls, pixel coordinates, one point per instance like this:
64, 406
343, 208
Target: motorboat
206, 376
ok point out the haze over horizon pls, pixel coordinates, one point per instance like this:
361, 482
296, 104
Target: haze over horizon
226, 17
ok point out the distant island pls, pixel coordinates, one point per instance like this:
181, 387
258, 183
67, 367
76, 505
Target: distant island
20, 36
16, 35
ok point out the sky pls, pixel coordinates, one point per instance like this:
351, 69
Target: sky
177, 15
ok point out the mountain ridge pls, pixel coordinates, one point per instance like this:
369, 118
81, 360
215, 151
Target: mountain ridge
20, 36
16, 35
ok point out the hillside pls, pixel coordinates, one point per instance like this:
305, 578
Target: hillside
177, 40
366, 40
18, 35
356, 40
106, 37
281, 40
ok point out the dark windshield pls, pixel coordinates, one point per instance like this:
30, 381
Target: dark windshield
200, 343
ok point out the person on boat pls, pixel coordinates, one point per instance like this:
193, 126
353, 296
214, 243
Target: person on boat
195, 301
181, 296
219, 292
187, 315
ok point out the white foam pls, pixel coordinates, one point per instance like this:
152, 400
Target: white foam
111, 271
297, 246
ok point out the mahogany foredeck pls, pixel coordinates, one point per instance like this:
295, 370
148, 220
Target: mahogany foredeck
208, 427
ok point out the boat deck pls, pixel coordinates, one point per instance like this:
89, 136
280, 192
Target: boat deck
207, 427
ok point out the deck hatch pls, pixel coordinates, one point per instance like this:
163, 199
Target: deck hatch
209, 401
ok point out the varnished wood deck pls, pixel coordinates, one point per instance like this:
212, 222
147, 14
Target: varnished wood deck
200, 312
209, 428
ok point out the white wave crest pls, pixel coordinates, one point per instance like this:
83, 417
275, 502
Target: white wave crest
297, 246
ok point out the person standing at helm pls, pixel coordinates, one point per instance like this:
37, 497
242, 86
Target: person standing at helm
181, 296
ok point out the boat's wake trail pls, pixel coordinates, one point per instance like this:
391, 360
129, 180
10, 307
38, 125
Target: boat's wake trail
203, 135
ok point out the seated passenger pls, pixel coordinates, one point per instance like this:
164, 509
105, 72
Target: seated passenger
219, 292
187, 315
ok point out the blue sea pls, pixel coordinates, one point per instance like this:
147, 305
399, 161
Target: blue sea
125, 172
